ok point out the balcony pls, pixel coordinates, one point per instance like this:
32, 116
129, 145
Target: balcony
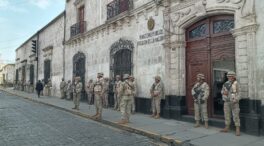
78, 28
116, 7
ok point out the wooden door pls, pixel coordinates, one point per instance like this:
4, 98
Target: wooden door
210, 47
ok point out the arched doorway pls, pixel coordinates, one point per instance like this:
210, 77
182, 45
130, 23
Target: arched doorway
121, 57
121, 62
79, 69
210, 50
47, 70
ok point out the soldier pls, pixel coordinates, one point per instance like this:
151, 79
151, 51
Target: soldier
98, 95
126, 91
49, 87
231, 98
69, 90
77, 93
156, 92
89, 90
116, 92
200, 93
106, 90
133, 108
63, 87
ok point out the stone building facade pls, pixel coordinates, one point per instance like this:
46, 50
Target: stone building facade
175, 39
8, 74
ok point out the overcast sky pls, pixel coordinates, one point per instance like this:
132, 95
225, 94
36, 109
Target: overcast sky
20, 19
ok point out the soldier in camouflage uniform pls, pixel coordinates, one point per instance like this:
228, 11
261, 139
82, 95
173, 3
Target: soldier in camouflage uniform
200, 93
77, 93
98, 95
69, 90
156, 92
132, 79
106, 91
230, 92
63, 88
89, 90
126, 91
49, 87
116, 92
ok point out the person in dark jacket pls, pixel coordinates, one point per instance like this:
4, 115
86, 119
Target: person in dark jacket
39, 87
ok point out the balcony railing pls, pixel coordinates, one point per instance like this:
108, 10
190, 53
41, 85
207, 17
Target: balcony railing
118, 6
78, 28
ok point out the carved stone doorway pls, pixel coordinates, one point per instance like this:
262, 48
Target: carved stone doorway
210, 50
79, 69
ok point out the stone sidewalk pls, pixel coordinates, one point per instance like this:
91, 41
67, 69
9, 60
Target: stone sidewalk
169, 131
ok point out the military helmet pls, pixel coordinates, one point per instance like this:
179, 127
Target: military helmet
231, 74
125, 76
200, 75
100, 74
132, 77
77, 78
118, 76
158, 78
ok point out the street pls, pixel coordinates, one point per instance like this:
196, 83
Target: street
24, 123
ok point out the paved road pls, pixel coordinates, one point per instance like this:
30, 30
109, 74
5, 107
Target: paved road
24, 123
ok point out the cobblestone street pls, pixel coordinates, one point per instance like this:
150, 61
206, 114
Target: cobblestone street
24, 123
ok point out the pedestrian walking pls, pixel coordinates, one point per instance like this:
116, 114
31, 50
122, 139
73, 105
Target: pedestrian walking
39, 87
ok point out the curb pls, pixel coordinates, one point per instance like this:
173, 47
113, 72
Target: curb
170, 141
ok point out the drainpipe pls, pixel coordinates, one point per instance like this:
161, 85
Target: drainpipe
37, 55
64, 37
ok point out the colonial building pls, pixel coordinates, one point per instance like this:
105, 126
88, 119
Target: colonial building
8, 74
175, 39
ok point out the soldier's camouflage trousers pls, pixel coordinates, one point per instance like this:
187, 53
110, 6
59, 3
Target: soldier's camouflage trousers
155, 104
76, 99
125, 107
133, 104
200, 110
117, 101
233, 108
98, 103
105, 99
63, 94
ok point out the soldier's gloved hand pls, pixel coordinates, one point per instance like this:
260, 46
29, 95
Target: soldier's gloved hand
202, 101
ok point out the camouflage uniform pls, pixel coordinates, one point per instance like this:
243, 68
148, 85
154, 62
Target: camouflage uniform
231, 104
106, 90
77, 93
98, 95
156, 92
69, 90
200, 93
126, 91
63, 88
49, 87
134, 94
116, 89
89, 91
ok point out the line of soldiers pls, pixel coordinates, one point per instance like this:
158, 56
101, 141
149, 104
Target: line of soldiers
230, 95
124, 95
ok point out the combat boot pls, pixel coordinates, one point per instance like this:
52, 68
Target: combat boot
226, 129
153, 115
206, 124
99, 116
237, 131
74, 107
95, 115
123, 121
157, 116
197, 124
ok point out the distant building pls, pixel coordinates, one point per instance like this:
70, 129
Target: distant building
8, 74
